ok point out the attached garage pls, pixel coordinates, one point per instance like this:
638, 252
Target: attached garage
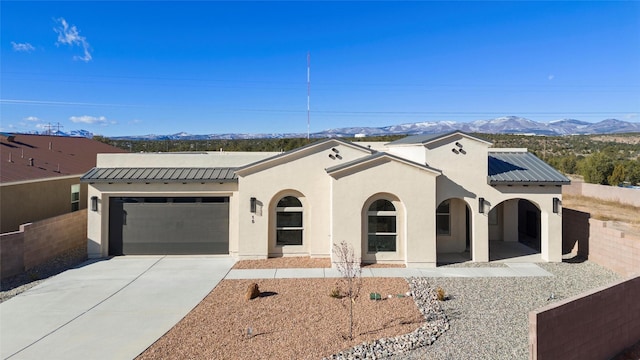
168, 225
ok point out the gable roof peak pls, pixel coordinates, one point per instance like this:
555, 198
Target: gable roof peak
429, 138
302, 150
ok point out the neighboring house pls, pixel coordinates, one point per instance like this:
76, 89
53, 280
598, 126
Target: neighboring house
40, 176
410, 201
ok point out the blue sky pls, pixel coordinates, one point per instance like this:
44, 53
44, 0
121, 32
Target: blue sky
134, 68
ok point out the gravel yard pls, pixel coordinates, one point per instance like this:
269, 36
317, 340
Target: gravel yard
293, 319
487, 317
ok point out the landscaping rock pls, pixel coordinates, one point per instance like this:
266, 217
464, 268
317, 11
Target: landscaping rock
252, 291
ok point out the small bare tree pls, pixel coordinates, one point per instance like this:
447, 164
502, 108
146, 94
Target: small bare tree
349, 267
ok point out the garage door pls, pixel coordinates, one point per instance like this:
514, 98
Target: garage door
168, 225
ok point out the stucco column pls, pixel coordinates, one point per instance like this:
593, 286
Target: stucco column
551, 236
510, 220
97, 225
480, 240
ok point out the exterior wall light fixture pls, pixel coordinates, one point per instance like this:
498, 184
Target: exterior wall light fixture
252, 203
481, 205
556, 205
94, 203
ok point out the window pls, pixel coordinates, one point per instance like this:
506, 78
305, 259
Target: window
443, 219
289, 221
381, 232
75, 197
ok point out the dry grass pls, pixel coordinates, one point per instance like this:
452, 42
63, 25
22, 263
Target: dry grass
604, 210
292, 319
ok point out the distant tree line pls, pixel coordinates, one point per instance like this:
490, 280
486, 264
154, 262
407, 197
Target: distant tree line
270, 145
598, 161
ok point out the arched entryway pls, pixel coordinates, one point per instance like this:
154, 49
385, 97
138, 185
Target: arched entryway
515, 231
453, 231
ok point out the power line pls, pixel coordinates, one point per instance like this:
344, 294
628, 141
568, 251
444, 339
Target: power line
330, 85
344, 112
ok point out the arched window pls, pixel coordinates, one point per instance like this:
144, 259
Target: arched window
381, 231
443, 219
289, 221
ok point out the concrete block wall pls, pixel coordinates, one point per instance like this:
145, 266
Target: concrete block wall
614, 249
41, 241
11, 250
595, 325
599, 241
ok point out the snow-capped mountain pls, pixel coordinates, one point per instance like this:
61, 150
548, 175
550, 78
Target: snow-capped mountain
501, 125
569, 126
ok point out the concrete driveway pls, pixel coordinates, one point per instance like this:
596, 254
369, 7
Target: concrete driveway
106, 309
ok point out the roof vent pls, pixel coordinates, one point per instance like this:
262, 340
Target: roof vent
9, 137
30, 161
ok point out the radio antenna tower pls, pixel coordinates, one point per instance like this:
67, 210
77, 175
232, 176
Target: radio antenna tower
308, 91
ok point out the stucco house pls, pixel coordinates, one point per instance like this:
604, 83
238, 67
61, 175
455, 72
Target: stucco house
40, 176
411, 201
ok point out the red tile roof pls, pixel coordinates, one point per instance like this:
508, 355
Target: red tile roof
53, 156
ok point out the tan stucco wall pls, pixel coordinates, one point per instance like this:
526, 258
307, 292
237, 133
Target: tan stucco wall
411, 189
30, 201
303, 174
464, 176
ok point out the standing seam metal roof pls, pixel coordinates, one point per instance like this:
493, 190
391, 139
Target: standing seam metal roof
506, 168
159, 175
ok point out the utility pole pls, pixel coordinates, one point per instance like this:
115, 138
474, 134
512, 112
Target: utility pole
308, 92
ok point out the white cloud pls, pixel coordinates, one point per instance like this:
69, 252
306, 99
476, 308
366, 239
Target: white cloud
42, 126
631, 116
551, 77
86, 119
32, 118
69, 35
22, 47
135, 121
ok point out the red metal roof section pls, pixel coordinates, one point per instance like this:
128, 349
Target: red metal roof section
52, 156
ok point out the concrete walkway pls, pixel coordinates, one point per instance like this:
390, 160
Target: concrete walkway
108, 309
508, 270
116, 308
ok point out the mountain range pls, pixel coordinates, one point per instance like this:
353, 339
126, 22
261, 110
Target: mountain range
501, 125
